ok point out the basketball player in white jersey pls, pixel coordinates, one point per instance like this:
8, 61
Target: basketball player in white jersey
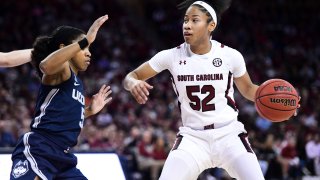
15, 58
203, 72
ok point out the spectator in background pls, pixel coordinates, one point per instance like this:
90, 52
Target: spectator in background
313, 153
289, 159
160, 151
267, 154
129, 151
150, 155
6, 136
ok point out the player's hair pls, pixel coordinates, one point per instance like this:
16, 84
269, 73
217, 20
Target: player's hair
220, 6
45, 45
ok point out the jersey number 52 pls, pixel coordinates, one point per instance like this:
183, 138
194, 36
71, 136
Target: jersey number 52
204, 105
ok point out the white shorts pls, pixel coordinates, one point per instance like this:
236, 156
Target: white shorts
226, 147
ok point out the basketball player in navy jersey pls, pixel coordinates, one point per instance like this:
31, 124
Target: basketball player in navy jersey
15, 58
203, 72
43, 153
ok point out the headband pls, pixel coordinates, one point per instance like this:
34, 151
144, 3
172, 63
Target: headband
211, 11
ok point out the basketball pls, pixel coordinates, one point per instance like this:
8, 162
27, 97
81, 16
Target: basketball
276, 100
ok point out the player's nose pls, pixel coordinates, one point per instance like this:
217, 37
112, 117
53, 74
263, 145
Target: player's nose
88, 54
186, 26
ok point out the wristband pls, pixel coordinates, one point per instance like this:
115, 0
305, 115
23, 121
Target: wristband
83, 43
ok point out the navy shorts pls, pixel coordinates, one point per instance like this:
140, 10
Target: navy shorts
35, 155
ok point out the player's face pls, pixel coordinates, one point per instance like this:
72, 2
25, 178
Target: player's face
195, 26
82, 59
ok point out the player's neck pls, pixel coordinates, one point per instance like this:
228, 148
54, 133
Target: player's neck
75, 70
202, 48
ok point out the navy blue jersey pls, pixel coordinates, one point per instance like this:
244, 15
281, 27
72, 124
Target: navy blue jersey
59, 114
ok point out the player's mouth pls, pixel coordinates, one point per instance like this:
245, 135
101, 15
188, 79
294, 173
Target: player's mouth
88, 62
187, 34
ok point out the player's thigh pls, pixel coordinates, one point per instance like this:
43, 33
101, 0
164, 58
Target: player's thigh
240, 160
188, 158
180, 165
245, 167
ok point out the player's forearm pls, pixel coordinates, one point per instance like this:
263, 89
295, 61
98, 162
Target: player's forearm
15, 58
130, 80
54, 62
250, 93
246, 87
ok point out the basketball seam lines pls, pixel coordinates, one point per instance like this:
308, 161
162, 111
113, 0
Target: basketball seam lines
263, 114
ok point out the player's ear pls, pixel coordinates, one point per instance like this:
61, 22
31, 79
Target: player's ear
212, 26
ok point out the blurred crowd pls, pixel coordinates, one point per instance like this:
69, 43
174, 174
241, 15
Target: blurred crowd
277, 38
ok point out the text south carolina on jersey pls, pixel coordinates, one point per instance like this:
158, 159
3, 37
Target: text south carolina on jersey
200, 77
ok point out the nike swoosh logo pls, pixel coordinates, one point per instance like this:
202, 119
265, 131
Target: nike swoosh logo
76, 84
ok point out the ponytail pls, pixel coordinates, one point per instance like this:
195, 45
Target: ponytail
40, 52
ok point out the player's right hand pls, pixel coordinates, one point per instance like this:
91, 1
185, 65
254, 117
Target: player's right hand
140, 91
92, 32
298, 106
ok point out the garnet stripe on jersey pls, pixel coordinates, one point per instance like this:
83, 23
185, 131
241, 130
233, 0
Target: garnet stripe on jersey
175, 89
230, 102
177, 142
243, 138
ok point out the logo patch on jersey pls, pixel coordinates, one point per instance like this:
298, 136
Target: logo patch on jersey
20, 169
76, 81
217, 62
183, 62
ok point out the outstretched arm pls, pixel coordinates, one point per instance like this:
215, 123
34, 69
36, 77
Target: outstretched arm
55, 61
15, 58
135, 82
246, 87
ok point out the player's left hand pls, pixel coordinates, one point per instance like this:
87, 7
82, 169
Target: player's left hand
100, 99
298, 106
93, 30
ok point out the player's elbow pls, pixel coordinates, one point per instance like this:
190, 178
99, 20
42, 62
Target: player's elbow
45, 69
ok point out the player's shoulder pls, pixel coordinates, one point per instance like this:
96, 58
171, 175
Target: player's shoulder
179, 48
225, 49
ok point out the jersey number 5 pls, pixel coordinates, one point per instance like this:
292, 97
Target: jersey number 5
82, 118
196, 104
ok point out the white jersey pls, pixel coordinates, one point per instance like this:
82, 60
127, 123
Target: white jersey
203, 83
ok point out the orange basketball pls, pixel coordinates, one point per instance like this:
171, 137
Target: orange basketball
276, 100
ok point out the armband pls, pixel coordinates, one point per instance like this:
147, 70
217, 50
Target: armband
83, 43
